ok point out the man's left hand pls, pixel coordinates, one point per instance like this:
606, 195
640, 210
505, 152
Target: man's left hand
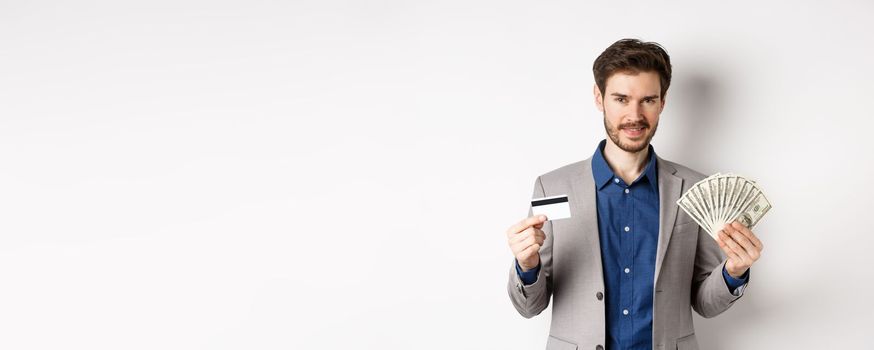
741, 246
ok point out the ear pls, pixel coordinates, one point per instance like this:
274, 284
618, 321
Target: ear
599, 100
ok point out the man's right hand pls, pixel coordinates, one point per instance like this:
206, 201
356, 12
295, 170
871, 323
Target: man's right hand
525, 239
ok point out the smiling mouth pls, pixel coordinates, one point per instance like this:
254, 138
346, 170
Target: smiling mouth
634, 132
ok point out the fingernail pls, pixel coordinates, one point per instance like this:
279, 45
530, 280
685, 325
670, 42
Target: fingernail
543, 217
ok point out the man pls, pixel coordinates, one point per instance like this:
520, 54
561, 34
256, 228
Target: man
625, 271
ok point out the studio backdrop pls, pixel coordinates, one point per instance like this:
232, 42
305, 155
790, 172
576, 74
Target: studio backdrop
340, 174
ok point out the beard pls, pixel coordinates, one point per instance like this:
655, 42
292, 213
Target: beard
630, 147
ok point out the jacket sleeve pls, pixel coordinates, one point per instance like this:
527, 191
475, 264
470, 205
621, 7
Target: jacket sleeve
531, 300
710, 292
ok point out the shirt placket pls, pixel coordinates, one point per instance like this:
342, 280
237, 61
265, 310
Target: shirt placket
627, 234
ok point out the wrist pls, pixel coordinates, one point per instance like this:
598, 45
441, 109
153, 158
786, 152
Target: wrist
736, 274
526, 267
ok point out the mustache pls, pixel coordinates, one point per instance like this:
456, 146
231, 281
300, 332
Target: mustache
635, 125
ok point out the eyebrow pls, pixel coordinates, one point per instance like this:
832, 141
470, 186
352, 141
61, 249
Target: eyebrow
653, 97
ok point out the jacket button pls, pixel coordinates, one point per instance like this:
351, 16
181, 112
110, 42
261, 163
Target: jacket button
599, 295
599, 347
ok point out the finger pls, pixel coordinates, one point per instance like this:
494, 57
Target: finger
728, 229
525, 223
524, 243
738, 236
519, 247
541, 235
528, 232
532, 239
750, 235
725, 248
748, 246
737, 249
534, 248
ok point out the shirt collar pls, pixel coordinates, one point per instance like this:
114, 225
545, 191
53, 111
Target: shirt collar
603, 174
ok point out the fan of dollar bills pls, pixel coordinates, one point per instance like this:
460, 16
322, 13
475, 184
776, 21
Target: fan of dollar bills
723, 198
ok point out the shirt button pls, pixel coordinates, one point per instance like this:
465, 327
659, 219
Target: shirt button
599, 295
625, 312
599, 347
627, 270
626, 191
627, 229
616, 180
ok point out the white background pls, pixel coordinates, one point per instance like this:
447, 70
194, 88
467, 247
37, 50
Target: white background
324, 174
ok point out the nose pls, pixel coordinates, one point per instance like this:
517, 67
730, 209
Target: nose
635, 110
633, 114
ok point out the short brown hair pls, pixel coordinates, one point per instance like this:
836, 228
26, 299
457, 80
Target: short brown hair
633, 56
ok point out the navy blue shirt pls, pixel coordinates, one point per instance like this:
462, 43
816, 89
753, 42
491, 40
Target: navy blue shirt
628, 226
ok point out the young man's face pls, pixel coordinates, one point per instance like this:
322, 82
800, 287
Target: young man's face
631, 105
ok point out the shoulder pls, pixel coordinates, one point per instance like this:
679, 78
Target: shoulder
567, 172
682, 171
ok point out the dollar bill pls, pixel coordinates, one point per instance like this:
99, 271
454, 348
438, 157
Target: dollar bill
721, 199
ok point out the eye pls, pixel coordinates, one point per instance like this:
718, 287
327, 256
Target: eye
620, 99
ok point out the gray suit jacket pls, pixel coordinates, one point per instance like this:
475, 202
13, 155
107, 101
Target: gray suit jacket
688, 273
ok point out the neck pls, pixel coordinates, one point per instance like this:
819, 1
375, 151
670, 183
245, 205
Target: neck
626, 165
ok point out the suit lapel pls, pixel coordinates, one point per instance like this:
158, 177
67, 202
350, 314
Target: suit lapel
670, 187
586, 204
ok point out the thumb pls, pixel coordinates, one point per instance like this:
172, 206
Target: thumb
542, 221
